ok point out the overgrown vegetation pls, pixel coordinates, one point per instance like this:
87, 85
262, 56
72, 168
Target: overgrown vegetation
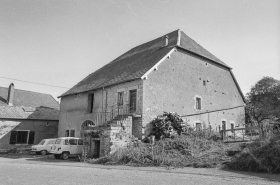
195, 149
259, 157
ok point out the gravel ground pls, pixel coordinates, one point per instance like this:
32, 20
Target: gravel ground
32, 169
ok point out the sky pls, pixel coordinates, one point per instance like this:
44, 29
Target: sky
59, 43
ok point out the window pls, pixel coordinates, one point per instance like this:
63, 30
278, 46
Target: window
198, 126
87, 124
198, 103
22, 137
80, 142
73, 141
224, 124
90, 102
66, 142
72, 133
58, 141
67, 133
50, 142
120, 98
42, 142
232, 127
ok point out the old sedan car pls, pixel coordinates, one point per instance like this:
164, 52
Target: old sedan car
44, 147
67, 146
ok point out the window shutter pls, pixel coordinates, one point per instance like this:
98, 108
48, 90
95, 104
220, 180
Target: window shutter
31, 137
13, 138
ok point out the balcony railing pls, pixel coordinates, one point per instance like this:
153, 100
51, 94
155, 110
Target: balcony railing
114, 112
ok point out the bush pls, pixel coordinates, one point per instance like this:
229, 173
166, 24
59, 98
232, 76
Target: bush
259, 157
166, 125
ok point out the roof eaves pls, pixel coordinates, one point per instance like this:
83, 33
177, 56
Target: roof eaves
158, 63
100, 87
237, 85
203, 57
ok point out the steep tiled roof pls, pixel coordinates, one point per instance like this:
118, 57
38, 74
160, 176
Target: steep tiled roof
137, 61
41, 113
28, 99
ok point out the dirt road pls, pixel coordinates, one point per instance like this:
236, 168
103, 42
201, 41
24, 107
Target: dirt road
51, 171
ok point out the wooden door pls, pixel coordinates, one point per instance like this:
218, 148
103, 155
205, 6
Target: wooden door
132, 100
95, 148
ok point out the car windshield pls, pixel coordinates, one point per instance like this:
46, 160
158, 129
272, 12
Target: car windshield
58, 141
42, 142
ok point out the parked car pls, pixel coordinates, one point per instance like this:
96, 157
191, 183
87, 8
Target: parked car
67, 146
44, 147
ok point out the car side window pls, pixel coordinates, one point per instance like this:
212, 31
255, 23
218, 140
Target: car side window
80, 142
66, 142
50, 142
73, 141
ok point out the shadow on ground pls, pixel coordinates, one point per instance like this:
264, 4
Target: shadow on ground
40, 158
266, 176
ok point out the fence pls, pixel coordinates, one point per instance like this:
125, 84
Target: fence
240, 134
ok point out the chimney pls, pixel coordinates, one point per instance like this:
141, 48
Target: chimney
11, 94
165, 41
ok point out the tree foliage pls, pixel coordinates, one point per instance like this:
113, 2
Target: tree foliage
263, 102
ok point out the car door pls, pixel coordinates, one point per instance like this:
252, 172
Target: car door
80, 146
49, 145
73, 146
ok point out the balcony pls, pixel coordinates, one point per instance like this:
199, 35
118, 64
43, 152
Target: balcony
115, 112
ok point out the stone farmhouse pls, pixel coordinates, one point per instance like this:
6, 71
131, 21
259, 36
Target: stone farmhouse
172, 73
26, 118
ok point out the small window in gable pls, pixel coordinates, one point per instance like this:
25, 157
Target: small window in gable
198, 103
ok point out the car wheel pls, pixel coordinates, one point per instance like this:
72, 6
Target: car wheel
43, 152
38, 153
57, 156
65, 155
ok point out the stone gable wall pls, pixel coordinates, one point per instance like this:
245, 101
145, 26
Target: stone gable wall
178, 80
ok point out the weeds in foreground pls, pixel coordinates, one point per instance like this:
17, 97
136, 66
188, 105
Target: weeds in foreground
259, 157
180, 151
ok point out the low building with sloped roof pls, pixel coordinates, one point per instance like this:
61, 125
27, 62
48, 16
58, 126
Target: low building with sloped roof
26, 117
172, 73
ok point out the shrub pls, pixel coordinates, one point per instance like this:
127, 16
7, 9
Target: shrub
259, 157
166, 125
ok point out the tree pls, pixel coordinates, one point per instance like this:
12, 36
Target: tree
263, 103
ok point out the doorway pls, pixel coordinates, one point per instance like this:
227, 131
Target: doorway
95, 149
132, 100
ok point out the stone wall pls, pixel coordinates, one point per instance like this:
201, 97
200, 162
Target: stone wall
111, 138
177, 81
74, 108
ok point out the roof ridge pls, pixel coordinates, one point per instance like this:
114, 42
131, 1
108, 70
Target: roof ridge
25, 90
